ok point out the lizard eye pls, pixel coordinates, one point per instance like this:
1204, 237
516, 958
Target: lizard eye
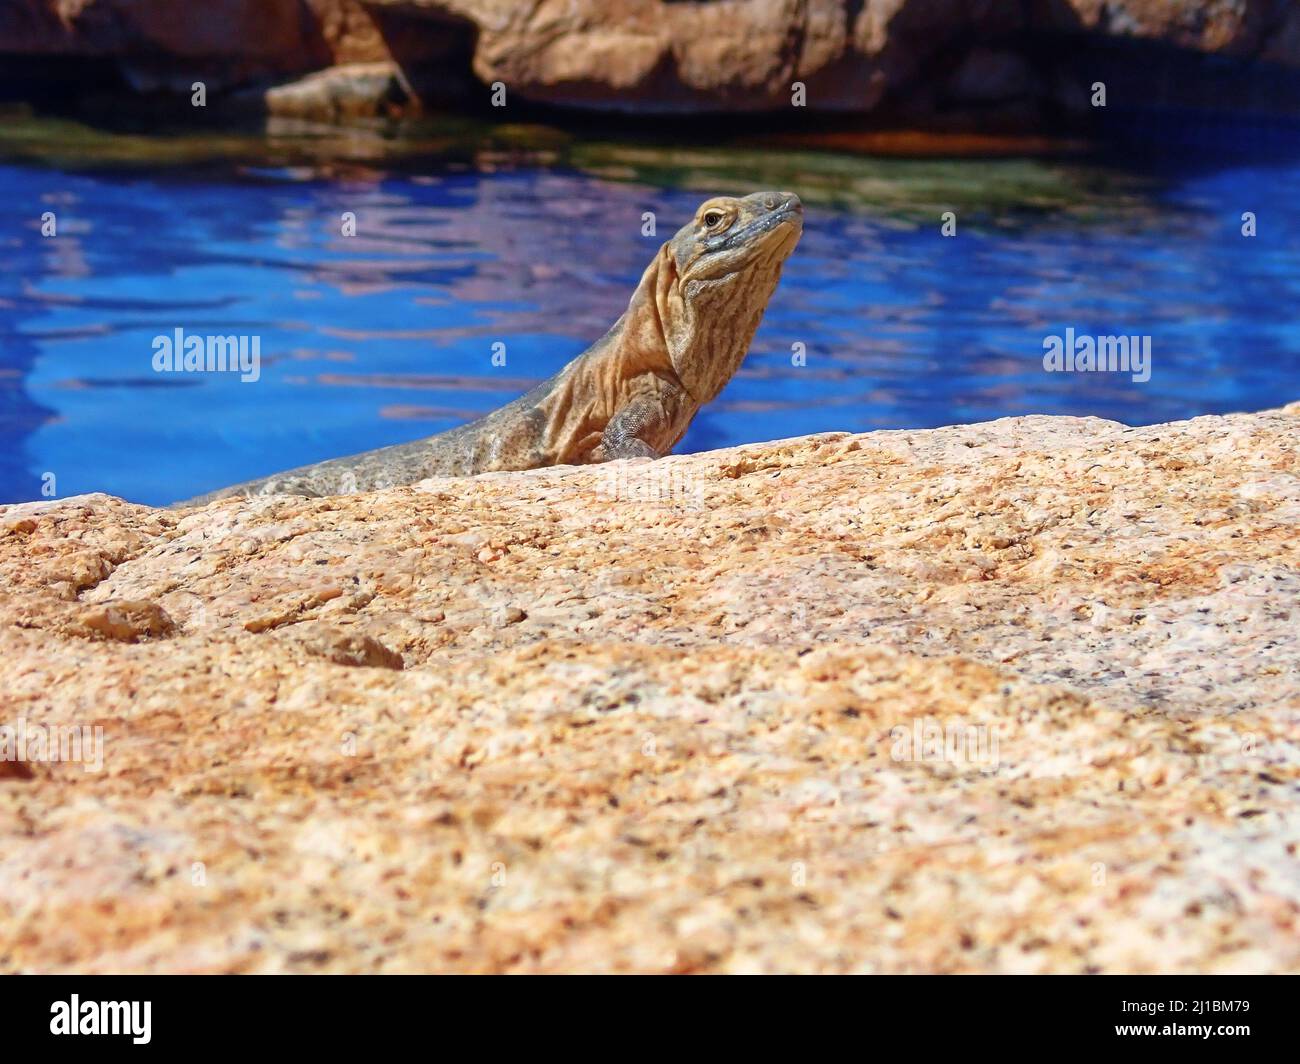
712, 218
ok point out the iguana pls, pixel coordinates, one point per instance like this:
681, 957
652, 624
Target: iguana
633, 393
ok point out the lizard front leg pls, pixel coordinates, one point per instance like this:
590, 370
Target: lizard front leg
636, 429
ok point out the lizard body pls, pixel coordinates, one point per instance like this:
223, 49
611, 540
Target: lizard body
631, 394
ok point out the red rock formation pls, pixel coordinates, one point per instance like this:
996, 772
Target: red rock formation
650, 55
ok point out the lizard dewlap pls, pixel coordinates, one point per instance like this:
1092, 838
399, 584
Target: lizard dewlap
633, 393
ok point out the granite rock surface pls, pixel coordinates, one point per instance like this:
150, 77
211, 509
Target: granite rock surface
1011, 697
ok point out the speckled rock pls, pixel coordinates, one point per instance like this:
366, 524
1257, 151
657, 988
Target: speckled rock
1011, 697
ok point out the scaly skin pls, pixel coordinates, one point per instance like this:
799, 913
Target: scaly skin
633, 393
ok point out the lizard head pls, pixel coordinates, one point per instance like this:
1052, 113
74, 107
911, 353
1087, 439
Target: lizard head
738, 241
713, 281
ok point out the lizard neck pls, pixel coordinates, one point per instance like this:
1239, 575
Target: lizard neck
652, 332
718, 323
699, 335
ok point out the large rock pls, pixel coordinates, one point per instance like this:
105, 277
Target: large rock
910, 57
1007, 697
271, 34
166, 46
745, 55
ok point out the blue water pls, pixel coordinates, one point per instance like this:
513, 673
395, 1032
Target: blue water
388, 335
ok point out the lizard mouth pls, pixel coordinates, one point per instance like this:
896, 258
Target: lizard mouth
756, 231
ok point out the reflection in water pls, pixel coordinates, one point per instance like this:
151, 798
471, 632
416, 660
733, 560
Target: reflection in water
388, 335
